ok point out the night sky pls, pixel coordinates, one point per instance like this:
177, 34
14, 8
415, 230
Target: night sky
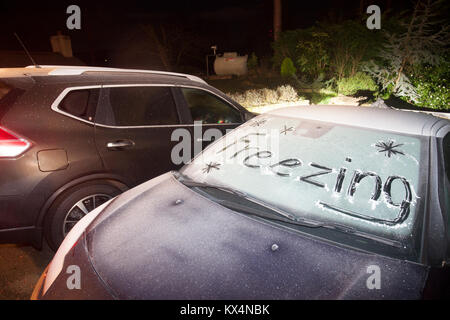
111, 29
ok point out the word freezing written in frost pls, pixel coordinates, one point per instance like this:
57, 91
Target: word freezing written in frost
358, 176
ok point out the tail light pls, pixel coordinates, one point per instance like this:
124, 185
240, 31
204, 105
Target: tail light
12, 145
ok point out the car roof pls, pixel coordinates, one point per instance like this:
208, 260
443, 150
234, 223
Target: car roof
401, 121
49, 70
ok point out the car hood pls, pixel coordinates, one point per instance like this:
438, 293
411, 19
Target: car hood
149, 245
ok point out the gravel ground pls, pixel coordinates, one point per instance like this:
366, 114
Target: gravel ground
20, 269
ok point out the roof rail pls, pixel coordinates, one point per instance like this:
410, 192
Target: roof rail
77, 70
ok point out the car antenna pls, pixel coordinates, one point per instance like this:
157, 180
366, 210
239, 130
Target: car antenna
26, 51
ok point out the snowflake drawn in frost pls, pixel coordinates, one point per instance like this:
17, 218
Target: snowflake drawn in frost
210, 166
389, 148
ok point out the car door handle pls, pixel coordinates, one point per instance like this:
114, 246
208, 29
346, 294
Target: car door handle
120, 144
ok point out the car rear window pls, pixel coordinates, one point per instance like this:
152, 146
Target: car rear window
80, 103
369, 180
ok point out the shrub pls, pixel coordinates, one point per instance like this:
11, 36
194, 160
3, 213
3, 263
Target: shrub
352, 43
270, 96
253, 97
286, 46
306, 47
414, 38
351, 85
432, 85
313, 53
287, 68
258, 97
287, 93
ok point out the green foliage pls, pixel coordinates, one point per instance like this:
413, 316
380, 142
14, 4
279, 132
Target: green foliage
312, 53
306, 47
432, 85
351, 85
286, 46
404, 58
351, 44
327, 52
410, 40
287, 68
321, 97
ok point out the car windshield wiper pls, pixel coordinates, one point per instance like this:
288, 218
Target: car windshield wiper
271, 213
353, 231
267, 211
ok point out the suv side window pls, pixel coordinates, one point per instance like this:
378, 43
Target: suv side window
80, 103
138, 106
207, 108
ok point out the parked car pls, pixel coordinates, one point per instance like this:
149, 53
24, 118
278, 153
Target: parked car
72, 138
318, 202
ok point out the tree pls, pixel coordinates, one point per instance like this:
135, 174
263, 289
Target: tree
420, 38
276, 19
161, 43
350, 44
172, 43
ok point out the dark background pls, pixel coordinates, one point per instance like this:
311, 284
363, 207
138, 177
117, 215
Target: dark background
112, 35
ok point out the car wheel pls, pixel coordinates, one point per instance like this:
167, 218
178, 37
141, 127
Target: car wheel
73, 205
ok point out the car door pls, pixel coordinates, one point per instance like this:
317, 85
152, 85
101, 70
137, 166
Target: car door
133, 127
210, 116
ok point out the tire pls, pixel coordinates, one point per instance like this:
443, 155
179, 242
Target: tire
71, 206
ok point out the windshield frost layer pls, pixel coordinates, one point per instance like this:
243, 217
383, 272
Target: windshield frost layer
365, 179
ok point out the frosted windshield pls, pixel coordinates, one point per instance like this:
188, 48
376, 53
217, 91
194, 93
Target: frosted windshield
365, 179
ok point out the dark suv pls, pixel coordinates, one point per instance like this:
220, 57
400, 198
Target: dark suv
73, 137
